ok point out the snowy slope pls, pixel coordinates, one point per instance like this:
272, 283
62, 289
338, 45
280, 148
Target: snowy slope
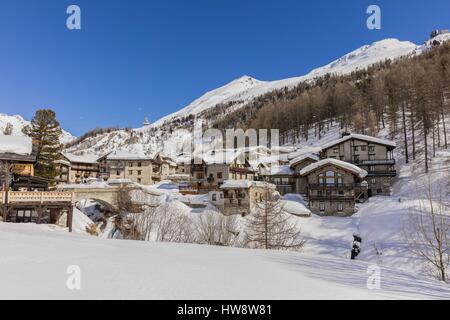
120, 269
18, 122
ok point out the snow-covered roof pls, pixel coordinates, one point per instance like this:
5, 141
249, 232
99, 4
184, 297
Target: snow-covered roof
16, 144
295, 208
85, 158
281, 171
236, 184
303, 157
126, 155
263, 184
360, 137
338, 163
246, 184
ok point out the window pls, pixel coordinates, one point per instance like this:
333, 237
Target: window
139, 164
214, 197
355, 148
330, 177
371, 148
131, 164
356, 158
130, 172
139, 180
336, 150
117, 173
139, 172
319, 193
374, 181
371, 168
322, 207
371, 157
219, 175
340, 206
341, 158
379, 191
341, 193
363, 148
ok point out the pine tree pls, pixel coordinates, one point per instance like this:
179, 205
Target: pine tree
45, 132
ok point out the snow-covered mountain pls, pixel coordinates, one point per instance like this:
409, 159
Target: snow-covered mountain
240, 92
210, 99
18, 122
244, 89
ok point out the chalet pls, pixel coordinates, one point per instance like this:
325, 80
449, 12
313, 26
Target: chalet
77, 168
297, 165
223, 165
334, 186
138, 168
376, 156
24, 197
163, 167
210, 170
240, 196
282, 176
287, 176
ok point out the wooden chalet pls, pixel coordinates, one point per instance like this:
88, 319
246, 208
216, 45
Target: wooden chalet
24, 198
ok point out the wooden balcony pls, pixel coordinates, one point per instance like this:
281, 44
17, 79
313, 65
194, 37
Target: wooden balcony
375, 162
331, 198
384, 173
241, 170
15, 197
333, 186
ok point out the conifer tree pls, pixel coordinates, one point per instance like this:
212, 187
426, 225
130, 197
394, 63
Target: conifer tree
45, 132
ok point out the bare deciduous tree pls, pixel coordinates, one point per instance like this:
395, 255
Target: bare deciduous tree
216, 229
429, 233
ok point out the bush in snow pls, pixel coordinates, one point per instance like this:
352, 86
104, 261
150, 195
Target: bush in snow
213, 228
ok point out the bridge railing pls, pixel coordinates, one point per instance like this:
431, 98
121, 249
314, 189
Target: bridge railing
36, 197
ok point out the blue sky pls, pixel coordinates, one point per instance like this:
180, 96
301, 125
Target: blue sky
135, 58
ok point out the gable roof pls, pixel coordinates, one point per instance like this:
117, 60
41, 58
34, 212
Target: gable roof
338, 163
88, 158
126, 155
362, 137
301, 158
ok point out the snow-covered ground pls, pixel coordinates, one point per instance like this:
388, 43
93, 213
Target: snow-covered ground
35, 260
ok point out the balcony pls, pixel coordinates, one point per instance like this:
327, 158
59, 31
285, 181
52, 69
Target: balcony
241, 170
374, 162
331, 198
334, 186
385, 173
35, 197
